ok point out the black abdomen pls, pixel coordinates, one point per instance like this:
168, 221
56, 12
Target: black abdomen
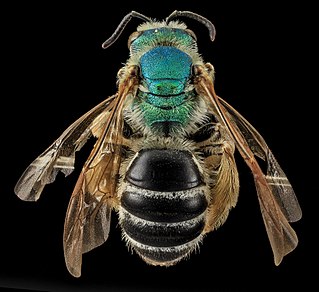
163, 206
164, 170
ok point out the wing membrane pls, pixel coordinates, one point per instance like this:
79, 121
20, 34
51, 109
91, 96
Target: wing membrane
87, 220
276, 178
60, 155
87, 225
282, 237
277, 200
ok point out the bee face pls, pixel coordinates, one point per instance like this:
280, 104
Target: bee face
164, 156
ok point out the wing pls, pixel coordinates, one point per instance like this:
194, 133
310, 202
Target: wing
276, 178
87, 220
60, 155
276, 197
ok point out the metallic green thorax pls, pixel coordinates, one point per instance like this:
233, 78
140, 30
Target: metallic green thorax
164, 95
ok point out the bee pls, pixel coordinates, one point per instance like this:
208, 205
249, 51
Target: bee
163, 157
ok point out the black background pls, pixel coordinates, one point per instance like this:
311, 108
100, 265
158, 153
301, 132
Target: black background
56, 70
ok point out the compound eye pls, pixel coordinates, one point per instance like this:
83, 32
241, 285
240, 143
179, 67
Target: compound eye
191, 33
133, 37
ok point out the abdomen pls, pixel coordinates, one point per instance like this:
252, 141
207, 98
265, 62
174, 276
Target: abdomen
163, 205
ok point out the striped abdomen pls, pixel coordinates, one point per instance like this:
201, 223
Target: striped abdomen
163, 207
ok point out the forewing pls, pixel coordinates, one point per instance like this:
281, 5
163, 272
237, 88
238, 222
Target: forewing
274, 198
87, 224
87, 220
60, 155
276, 178
283, 239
